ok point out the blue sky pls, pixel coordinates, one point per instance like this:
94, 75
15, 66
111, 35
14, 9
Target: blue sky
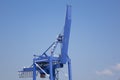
28, 27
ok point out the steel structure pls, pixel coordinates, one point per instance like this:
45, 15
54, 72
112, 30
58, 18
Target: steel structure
45, 64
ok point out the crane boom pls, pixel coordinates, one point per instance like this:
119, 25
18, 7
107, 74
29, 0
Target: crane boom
66, 34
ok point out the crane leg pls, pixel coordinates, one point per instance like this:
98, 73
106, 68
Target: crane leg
51, 68
69, 69
34, 70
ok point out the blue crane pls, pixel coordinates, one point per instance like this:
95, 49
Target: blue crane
45, 64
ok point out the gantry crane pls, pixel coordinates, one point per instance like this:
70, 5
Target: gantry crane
45, 64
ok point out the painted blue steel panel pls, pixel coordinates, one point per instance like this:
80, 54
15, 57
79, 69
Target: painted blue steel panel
66, 34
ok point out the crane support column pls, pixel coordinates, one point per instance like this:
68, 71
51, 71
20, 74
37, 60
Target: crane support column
34, 70
69, 69
51, 68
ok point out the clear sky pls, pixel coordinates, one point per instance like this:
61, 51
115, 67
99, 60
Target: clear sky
28, 27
